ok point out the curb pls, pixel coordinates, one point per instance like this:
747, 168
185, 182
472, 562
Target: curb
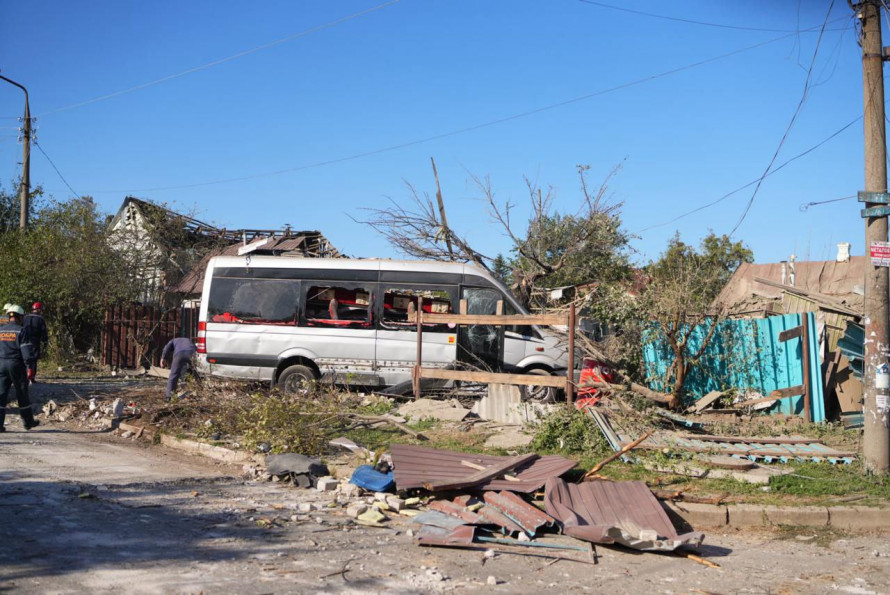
217, 453
847, 518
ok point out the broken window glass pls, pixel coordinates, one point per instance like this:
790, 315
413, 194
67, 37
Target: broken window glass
398, 302
254, 301
348, 307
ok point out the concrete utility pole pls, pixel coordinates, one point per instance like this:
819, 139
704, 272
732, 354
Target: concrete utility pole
876, 441
26, 158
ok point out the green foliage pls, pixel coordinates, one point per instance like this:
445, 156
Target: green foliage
501, 269
10, 205
572, 432
64, 261
821, 479
291, 423
682, 294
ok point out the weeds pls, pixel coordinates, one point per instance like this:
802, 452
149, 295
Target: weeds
572, 432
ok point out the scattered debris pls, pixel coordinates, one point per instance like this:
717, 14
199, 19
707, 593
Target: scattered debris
418, 466
614, 512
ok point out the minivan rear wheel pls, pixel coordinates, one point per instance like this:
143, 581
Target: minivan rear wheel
295, 379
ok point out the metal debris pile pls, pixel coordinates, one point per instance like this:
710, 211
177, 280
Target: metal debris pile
515, 504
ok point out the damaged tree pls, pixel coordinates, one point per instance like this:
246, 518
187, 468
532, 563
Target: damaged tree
552, 249
680, 304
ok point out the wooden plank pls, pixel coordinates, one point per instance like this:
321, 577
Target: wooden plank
776, 395
709, 438
705, 401
493, 319
791, 333
482, 476
492, 378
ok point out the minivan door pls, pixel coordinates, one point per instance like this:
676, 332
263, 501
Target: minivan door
481, 345
397, 336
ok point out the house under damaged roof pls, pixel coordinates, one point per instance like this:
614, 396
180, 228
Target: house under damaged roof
309, 244
170, 250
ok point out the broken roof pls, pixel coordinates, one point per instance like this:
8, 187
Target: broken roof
839, 280
289, 243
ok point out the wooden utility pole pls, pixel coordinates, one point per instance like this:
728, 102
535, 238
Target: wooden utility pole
445, 229
876, 440
25, 190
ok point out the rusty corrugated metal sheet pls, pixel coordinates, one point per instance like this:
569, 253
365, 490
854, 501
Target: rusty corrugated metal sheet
418, 465
527, 516
456, 510
624, 512
432, 535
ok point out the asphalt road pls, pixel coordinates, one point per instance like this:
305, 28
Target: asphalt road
94, 512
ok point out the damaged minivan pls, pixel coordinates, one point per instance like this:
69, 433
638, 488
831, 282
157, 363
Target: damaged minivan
290, 320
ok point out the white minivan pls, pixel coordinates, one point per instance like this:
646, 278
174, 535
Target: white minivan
286, 320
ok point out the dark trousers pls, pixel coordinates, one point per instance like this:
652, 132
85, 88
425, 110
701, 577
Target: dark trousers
12, 373
181, 363
31, 353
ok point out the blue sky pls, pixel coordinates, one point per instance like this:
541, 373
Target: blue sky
352, 109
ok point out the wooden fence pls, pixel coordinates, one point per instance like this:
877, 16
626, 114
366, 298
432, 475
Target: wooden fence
568, 319
134, 336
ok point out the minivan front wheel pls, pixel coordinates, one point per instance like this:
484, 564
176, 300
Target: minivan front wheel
542, 394
295, 379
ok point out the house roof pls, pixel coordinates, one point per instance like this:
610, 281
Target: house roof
842, 281
289, 243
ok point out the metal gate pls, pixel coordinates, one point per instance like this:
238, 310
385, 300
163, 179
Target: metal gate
134, 336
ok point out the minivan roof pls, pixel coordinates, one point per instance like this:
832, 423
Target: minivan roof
371, 264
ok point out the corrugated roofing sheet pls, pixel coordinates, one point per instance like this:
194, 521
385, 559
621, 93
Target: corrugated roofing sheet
624, 512
418, 465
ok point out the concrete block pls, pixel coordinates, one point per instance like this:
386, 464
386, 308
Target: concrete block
326, 484
859, 518
395, 503
799, 516
699, 515
306, 507
356, 509
747, 515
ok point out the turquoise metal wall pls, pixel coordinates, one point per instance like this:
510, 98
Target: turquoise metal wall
747, 354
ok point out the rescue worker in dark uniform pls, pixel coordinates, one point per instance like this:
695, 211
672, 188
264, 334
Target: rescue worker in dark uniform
39, 337
13, 336
182, 350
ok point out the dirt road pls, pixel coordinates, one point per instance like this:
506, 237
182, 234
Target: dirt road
93, 512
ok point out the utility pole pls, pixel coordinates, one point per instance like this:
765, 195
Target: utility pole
876, 439
25, 191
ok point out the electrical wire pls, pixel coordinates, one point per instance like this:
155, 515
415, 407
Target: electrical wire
691, 21
464, 130
806, 88
240, 54
805, 206
36, 144
753, 182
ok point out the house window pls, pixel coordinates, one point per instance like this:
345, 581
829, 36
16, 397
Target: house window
337, 306
254, 301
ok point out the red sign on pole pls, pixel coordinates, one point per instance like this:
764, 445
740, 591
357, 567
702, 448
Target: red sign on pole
880, 254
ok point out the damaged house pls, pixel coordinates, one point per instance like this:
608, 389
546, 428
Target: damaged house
167, 253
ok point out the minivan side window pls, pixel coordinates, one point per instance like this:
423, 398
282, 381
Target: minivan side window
254, 301
338, 306
399, 301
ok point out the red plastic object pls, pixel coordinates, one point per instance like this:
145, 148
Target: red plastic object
592, 371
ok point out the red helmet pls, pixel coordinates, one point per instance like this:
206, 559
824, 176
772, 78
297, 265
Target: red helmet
37, 306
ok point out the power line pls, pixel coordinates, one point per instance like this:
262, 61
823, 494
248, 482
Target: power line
803, 98
36, 144
223, 60
753, 182
805, 206
456, 132
690, 21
